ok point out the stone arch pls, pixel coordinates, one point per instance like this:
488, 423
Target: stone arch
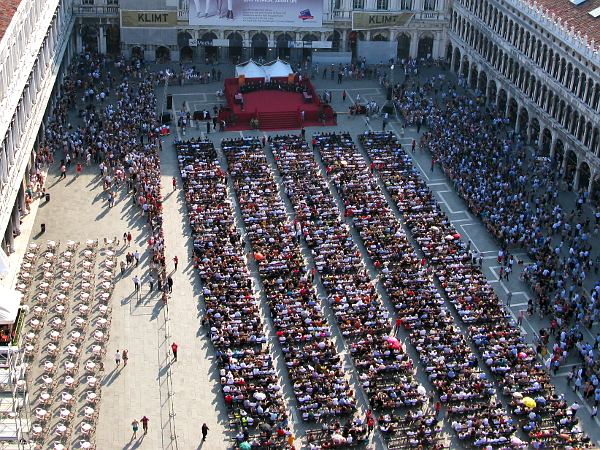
594, 147
574, 121
474, 75
464, 67
183, 38
307, 51
283, 46
425, 46
260, 42
236, 45
382, 36
449, 51
163, 53
336, 41
571, 166
523, 120
512, 112
546, 142
559, 152
585, 176
482, 82
137, 52
89, 37
456, 59
210, 51
186, 54
403, 51
580, 128
353, 38
502, 101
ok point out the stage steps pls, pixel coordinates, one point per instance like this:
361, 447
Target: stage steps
282, 120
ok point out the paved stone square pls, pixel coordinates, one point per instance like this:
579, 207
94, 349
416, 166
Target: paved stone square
178, 397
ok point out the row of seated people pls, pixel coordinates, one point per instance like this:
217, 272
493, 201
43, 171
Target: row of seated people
444, 353
358, 309
314, 366
232, 312
414, 429
352, 296
335, 435
250, 385
500, 342
248, 380
273, 86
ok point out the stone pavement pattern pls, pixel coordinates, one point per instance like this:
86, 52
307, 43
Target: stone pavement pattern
179, 397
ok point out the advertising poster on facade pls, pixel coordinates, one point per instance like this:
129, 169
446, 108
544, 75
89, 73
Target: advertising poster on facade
373, 20
259, 13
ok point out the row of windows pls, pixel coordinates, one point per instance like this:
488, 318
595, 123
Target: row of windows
100, 2
11, 144
384, 5
543, 55
554, 104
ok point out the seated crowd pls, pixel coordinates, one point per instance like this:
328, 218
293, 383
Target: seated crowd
444, 353
248, 379
386, 371
314, 366
500, 342
273, 86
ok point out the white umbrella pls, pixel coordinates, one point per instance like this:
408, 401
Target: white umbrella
338, 438
421, 390
260, 396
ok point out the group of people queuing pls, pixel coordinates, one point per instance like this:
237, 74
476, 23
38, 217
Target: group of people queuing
116, 119
499, 340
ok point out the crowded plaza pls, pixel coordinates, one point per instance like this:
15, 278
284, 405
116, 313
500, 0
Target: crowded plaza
341, 305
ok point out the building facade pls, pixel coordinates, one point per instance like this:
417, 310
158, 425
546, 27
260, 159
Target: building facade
542, 74
34, 50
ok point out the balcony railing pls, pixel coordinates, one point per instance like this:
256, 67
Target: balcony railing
96, 10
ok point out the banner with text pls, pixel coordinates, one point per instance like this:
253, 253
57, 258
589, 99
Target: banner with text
371, 20
148, 19
280, 13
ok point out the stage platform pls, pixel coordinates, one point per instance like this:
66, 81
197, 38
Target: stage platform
275, 108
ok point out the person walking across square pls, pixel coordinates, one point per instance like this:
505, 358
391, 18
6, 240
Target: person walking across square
135, 425
204, 431
174, 348
145, 421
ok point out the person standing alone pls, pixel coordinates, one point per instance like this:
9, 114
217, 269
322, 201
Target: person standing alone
174, 348
204, 431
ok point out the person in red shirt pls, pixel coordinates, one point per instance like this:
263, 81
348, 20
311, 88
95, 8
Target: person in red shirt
176, 261
145, 421
174, 347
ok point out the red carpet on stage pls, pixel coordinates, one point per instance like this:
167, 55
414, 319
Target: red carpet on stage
274, 109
